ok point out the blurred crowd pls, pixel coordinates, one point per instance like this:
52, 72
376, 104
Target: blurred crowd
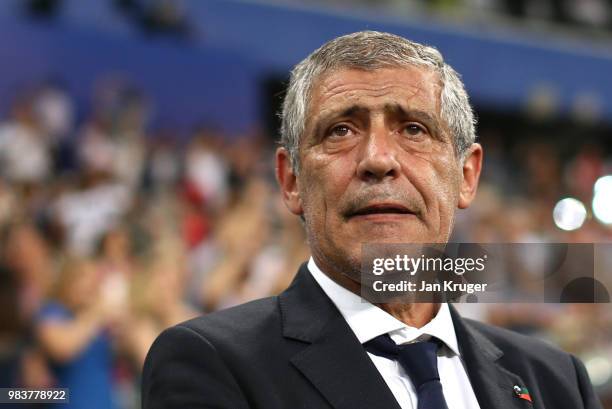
110, 235
171, 17
111, 232
583, 14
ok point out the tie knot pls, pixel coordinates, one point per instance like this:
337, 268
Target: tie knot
419, 359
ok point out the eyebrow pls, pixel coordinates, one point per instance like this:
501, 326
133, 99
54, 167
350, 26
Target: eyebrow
432, 123
396, 109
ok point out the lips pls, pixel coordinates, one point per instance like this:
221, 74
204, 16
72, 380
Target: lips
382, 209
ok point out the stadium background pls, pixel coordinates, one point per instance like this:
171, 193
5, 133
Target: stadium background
136, 167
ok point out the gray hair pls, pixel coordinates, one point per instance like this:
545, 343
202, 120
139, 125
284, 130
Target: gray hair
370, 50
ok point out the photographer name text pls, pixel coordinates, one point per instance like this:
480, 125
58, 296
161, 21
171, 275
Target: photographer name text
446, 286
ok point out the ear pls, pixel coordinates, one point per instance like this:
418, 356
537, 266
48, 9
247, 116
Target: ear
287, 182
471, 174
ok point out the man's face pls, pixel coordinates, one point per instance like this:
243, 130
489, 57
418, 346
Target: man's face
377, 165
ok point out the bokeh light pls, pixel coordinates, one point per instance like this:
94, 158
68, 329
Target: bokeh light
599, 369
569, 214
602, 184
602, 199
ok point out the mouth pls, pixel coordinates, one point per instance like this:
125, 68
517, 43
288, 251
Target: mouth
378, 210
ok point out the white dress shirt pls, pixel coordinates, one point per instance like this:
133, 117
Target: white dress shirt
368, 321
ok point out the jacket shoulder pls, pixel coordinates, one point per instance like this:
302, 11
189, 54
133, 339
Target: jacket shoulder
243, 322
524, 348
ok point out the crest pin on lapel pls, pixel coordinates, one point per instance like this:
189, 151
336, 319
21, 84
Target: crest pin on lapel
522, 393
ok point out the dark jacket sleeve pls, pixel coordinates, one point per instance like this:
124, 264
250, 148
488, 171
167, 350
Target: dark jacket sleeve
590, 399
184, 370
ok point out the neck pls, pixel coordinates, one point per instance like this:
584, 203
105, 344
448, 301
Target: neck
414, 314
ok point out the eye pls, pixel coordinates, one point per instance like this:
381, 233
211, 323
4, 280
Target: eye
414, 130
339, 131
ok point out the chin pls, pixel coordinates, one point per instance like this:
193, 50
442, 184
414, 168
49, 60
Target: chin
390, 234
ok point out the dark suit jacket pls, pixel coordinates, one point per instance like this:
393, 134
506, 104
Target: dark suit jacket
296, 351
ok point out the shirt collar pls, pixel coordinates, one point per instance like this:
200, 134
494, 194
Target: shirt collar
368, 321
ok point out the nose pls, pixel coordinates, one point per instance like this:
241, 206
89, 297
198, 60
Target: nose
378, 159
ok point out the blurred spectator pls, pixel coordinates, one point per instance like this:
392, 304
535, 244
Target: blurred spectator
26, 251
12, 329
21, 362
89, 212
73, 329
159, 297
112, 141
25, 151
55, 111
164, 163
206, 170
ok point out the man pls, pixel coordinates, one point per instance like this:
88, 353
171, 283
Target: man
378, 147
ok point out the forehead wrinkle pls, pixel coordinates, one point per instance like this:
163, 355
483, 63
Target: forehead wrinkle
366, 89
336, 80
355, 91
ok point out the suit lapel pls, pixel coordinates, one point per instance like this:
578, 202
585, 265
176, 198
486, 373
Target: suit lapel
492, 383
332, 359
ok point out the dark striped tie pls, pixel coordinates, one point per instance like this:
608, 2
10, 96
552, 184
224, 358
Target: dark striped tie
420, 361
